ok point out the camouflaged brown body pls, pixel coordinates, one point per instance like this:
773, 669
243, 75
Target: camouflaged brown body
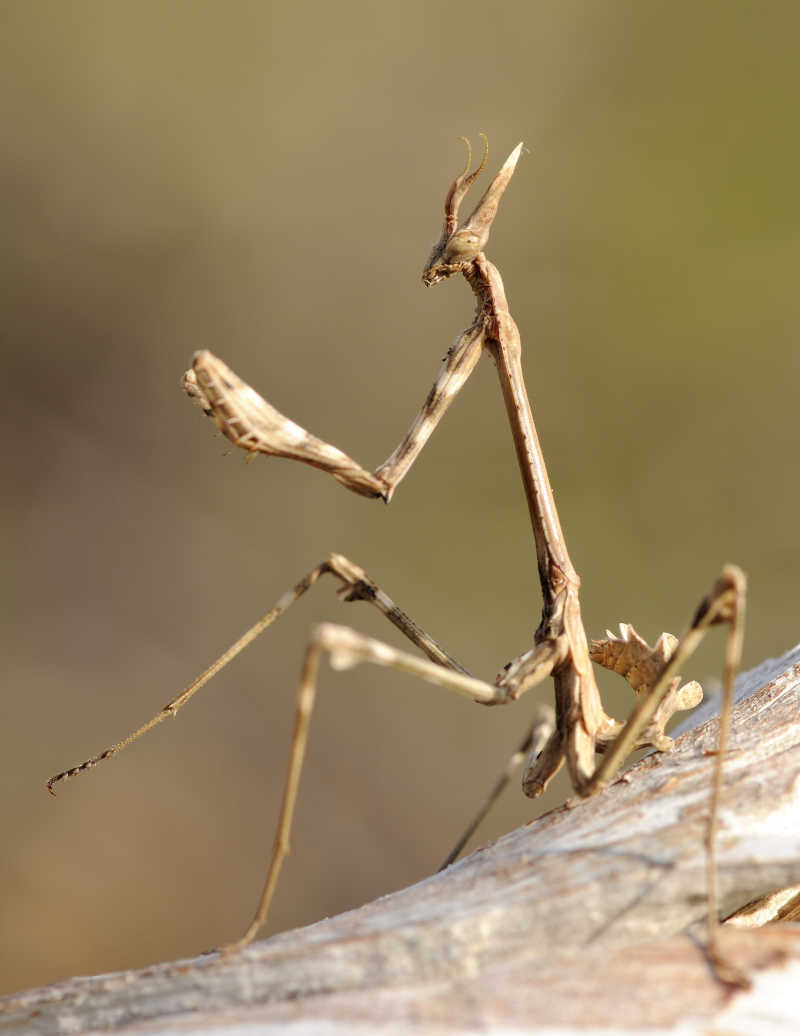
581, 727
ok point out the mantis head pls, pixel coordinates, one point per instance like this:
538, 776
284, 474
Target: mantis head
459, 246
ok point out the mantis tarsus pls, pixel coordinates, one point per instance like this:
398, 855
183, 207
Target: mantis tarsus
579, 728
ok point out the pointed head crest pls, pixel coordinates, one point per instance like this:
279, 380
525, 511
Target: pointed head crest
459, 246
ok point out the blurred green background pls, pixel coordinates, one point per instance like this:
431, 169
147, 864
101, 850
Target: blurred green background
265, 180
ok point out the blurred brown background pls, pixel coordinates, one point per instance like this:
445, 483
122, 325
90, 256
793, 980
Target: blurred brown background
265, 180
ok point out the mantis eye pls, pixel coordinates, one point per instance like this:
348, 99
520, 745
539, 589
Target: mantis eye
463, 246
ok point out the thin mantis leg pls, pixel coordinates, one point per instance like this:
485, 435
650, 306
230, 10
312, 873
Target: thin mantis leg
724, 603
347, 648
355, 586
733, 658
529, 749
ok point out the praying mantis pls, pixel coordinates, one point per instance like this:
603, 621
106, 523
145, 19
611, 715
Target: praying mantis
578, 730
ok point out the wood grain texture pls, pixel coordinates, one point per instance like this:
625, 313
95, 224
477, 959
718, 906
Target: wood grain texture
588, 918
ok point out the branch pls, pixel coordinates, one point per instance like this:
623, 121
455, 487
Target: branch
584, 917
